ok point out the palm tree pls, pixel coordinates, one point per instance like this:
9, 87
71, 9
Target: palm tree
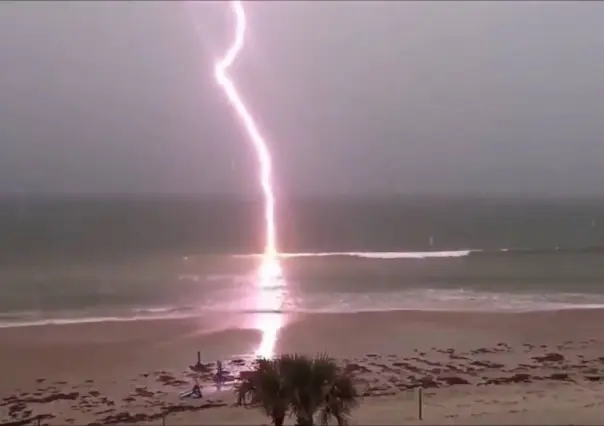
310, 381
301, 386
266, 388
340, 400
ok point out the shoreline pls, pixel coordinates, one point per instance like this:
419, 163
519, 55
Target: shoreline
85, 320
96, 372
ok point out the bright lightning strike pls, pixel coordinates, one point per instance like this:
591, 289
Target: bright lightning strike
270, 270
270, 263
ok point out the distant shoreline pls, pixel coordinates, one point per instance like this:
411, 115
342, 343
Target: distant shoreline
240, 320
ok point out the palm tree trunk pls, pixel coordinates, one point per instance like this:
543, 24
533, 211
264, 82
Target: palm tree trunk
278, 420
303, 421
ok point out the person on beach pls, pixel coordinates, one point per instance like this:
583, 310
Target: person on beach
194, 392
218, 377
198, 365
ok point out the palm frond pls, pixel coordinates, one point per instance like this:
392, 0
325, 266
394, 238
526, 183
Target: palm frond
303, 387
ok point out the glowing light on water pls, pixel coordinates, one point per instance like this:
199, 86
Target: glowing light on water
270, 270
269, 320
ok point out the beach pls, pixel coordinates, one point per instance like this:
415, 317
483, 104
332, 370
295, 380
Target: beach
477, 368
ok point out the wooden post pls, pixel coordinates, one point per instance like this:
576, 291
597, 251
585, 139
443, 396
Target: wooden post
163, 418
198, 357
38, 421
420, 403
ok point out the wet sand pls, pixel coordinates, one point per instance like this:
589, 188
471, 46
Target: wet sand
475, 368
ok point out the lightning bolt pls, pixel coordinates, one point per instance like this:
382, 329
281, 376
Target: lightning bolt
270, 264
270, 270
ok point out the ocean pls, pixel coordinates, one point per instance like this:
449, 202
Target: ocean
111, 258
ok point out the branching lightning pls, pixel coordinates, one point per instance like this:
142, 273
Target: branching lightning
270, 270
270, 265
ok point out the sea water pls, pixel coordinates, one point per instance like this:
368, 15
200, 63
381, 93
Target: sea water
77, 259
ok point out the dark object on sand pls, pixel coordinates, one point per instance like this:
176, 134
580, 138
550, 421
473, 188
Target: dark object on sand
199, 367
194, 393
550, 357
222, 375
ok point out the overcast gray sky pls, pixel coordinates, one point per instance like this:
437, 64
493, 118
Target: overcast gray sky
354, 97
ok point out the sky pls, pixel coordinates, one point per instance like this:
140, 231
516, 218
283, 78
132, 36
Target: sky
354, 98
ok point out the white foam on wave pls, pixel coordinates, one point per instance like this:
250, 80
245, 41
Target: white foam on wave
240, 298
92, 320
443, 300
408, 300
372, 255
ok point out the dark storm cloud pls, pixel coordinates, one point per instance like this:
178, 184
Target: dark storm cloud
358, 97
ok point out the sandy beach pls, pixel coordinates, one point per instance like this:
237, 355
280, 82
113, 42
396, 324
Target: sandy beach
474, 368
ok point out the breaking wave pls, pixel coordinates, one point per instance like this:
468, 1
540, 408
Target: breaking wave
442, 253
414, 289
341, 303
